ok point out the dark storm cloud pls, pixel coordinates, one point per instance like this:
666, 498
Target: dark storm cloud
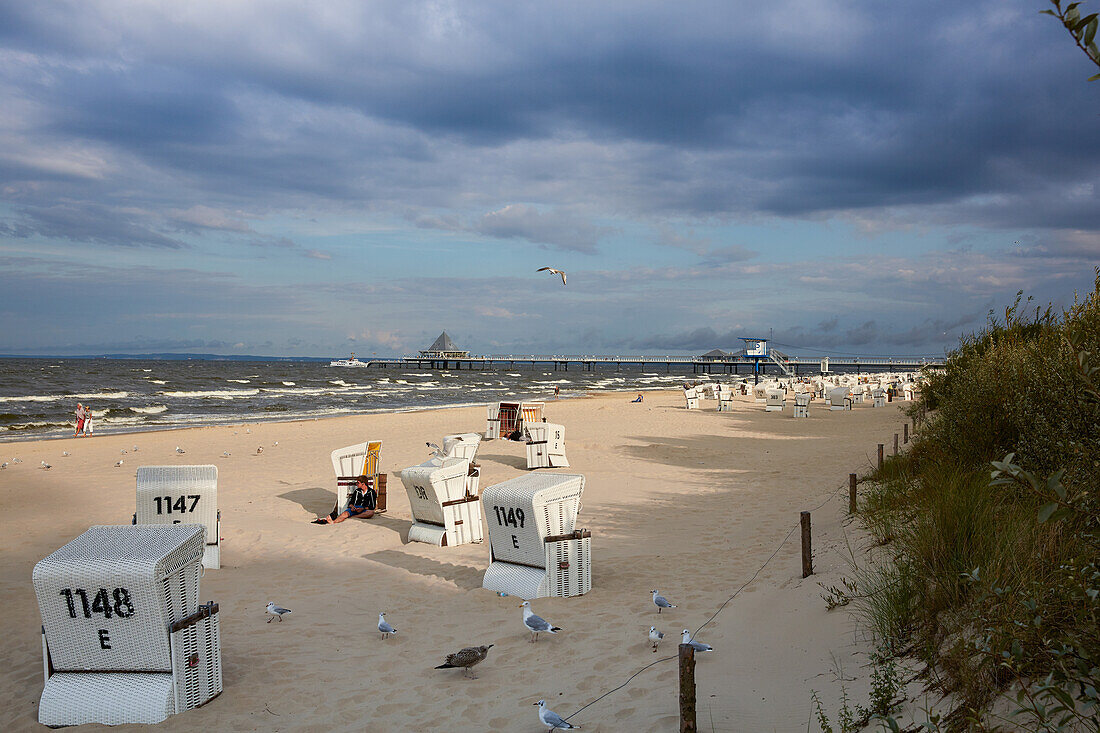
785, 110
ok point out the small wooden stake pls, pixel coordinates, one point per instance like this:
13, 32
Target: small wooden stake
880, 447
851, 493
807, 553
895, 444
687, 688
905, 433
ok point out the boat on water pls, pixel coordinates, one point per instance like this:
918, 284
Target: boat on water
352, 362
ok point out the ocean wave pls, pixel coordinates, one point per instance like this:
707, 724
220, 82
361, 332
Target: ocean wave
339, 383
157, 381
151, 410
55, 398
288, 384
239, 381
225, 394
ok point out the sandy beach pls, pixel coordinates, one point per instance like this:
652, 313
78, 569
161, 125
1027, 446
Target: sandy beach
690, 502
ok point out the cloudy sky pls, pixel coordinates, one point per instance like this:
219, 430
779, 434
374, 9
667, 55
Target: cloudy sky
318, 178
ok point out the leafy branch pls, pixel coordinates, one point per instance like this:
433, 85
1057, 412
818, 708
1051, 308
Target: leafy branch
1083, 29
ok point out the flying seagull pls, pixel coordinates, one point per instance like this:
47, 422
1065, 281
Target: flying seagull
276, 611
466, 658
384, 627
553, 271
655, 637
660, 601
696, 645
536, 624
551, 719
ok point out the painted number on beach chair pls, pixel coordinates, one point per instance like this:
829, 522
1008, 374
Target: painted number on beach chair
509, 516
165, 505
122, 607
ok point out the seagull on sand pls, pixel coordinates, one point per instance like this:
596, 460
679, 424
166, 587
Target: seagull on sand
696, 645
551, 719
276, 611
65, 453
122, 452
552, 271
46, 466
3, 465
259, 450
536, 624
660, 601
179, 450
466, 658
134, 449
384, 627
225, 454
119, 464
655, 637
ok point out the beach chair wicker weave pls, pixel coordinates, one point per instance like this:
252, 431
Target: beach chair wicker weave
536, 549
182, 494
774, 400
124, 638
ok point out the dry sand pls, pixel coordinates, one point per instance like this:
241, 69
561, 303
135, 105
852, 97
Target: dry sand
690, 502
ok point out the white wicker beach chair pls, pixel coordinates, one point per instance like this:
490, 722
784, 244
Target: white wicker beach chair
124, 639
361, 459
443, 498
838, 398
461, 445
691, 396
536, 549
775, 400
878, 397
802, 404
182, 495
492, 422
546, 446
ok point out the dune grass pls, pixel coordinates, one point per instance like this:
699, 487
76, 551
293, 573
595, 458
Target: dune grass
990, 577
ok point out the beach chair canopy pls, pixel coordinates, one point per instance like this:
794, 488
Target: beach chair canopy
124, 639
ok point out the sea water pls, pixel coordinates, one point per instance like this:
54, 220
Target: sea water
38, 397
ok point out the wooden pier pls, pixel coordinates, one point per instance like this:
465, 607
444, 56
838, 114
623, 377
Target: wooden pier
697, 365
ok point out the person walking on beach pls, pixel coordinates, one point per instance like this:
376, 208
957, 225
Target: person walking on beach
80, 415
87, 419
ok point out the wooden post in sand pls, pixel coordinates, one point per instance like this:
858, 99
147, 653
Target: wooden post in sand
895, 444
807, 553
880, 447
687, 688
905, 433
851, 493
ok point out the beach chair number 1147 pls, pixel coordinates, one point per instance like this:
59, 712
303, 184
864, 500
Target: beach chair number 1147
165, 505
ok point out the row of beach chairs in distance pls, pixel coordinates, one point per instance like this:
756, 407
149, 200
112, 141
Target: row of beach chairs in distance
774, 397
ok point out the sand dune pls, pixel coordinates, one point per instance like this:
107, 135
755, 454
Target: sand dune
692, 503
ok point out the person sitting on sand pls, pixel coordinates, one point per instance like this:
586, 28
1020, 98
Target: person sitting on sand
361, 503
638, 398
